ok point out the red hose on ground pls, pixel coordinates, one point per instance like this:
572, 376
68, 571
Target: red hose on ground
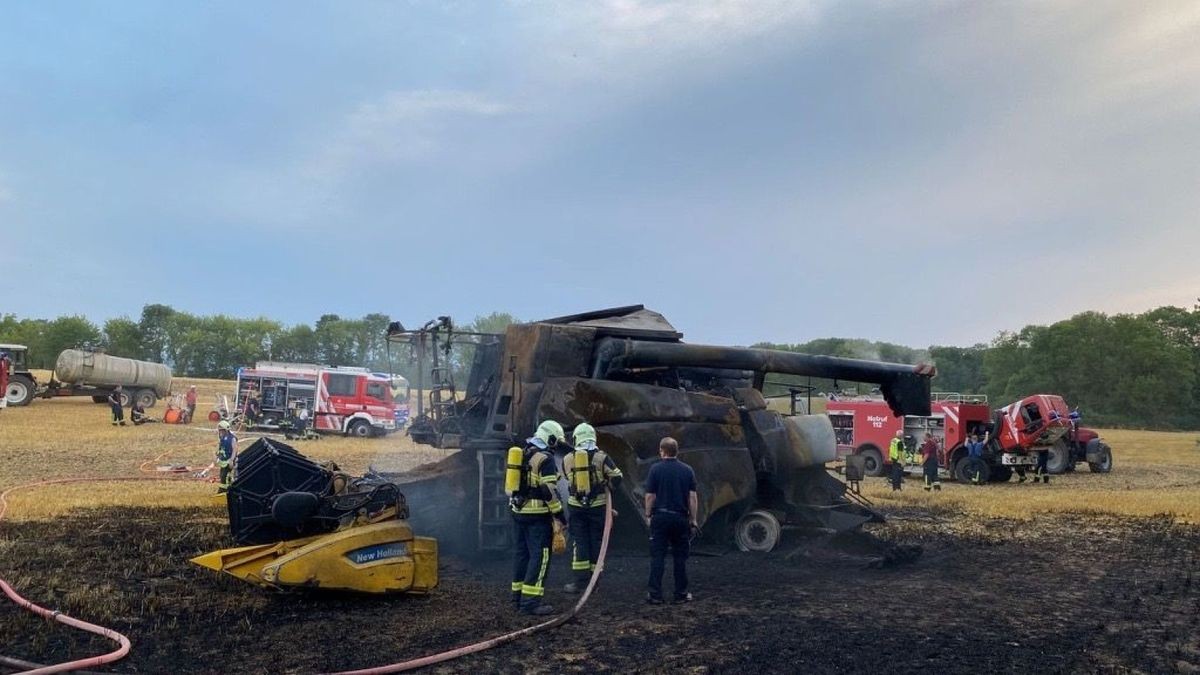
121, 640
441, 657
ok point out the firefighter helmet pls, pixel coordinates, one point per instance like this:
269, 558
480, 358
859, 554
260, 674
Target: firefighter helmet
549, 432
584, 433
224, 425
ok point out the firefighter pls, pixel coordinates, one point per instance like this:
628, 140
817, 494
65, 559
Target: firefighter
3, 379
589, 471
929, 462
114, 404
896, 457
1041, 469
531, 480
975, 459
226, 449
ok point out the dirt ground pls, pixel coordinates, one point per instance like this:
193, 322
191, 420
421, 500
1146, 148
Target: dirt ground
1040, 589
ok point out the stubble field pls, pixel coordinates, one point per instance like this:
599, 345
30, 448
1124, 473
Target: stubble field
1090, 573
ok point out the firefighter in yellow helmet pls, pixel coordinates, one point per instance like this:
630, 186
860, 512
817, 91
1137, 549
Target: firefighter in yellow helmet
589, 470
532, 484
226, 449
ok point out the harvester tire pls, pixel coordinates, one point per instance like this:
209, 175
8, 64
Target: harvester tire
1059, 459
359, 428
757, 531
20, 390
872, 461
1105, 464
146, 397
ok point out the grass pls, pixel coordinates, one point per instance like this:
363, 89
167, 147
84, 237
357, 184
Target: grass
72, 437
1155, 473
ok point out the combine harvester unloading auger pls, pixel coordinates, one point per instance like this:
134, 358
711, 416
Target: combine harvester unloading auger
627, 372
307, 525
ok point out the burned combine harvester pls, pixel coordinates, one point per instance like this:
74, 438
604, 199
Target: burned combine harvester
627, 372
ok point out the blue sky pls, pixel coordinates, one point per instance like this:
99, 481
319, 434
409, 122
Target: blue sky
924, 173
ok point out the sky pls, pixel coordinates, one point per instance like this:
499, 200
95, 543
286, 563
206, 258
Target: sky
916, 172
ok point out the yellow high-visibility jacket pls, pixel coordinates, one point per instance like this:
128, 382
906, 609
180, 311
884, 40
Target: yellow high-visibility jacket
896, 450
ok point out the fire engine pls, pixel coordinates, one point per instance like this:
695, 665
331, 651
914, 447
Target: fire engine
345, 400
1014, 433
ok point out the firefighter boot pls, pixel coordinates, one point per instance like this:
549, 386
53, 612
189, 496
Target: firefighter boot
1046, 479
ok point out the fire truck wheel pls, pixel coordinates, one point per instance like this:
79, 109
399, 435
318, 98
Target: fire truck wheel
1001, 474
359, 428
1060, 457
757, 531
872, 461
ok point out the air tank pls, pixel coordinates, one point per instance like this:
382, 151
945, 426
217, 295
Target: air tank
75, 366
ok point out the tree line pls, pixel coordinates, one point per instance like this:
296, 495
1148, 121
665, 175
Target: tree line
1124, 369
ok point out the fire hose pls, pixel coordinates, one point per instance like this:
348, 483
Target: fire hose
484, 645
122, 641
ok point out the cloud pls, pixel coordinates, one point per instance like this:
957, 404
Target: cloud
402, 126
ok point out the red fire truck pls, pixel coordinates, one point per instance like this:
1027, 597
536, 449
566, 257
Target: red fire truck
345, 400
1014, 434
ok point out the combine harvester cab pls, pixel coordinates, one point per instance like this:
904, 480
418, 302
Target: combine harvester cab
627, 372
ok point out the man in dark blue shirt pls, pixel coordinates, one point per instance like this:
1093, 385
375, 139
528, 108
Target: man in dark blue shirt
671, 507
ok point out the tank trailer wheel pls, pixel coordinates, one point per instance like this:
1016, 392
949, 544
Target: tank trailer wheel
146, 397
20, 391
359, 429
872, 461
757, 531
1105, 464
99, 399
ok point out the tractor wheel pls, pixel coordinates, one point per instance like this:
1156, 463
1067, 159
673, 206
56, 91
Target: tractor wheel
20, 390
872, 461
1060, 457
146, 397
1105, 464
359, 429
757, 531
1001, 474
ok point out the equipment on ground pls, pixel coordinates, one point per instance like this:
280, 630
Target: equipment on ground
627, 372
81, 372
307, 525
1015, 434
341, 400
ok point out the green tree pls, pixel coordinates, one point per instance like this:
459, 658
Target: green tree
123, 337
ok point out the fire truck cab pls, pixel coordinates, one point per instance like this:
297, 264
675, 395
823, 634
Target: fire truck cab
345, 400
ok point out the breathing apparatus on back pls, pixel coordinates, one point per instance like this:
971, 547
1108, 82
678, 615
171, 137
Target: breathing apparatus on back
587, 464
518, 465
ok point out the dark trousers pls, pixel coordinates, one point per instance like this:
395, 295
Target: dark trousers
931, 472
1042, 469
897, 474
191, 411
118, 414
587, 529
531, 557
668, 530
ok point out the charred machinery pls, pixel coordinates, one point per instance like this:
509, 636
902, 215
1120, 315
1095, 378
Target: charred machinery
627, 372
308, 525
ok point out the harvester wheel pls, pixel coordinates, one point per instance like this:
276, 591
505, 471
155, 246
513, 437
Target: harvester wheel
20, 390
872, 461
146, 397
1060, 457
1105, 464
757, 531
359, 428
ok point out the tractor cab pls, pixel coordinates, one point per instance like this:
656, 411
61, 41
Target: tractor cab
16, 357
1037, 421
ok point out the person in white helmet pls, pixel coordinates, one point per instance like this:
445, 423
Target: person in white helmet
537, 513
226, 449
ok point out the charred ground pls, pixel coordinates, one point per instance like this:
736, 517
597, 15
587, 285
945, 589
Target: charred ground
1071, 593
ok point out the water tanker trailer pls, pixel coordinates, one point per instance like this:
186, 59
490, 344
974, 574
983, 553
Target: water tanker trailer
79, 372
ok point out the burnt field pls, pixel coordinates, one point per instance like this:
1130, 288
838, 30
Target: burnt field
1069, 593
